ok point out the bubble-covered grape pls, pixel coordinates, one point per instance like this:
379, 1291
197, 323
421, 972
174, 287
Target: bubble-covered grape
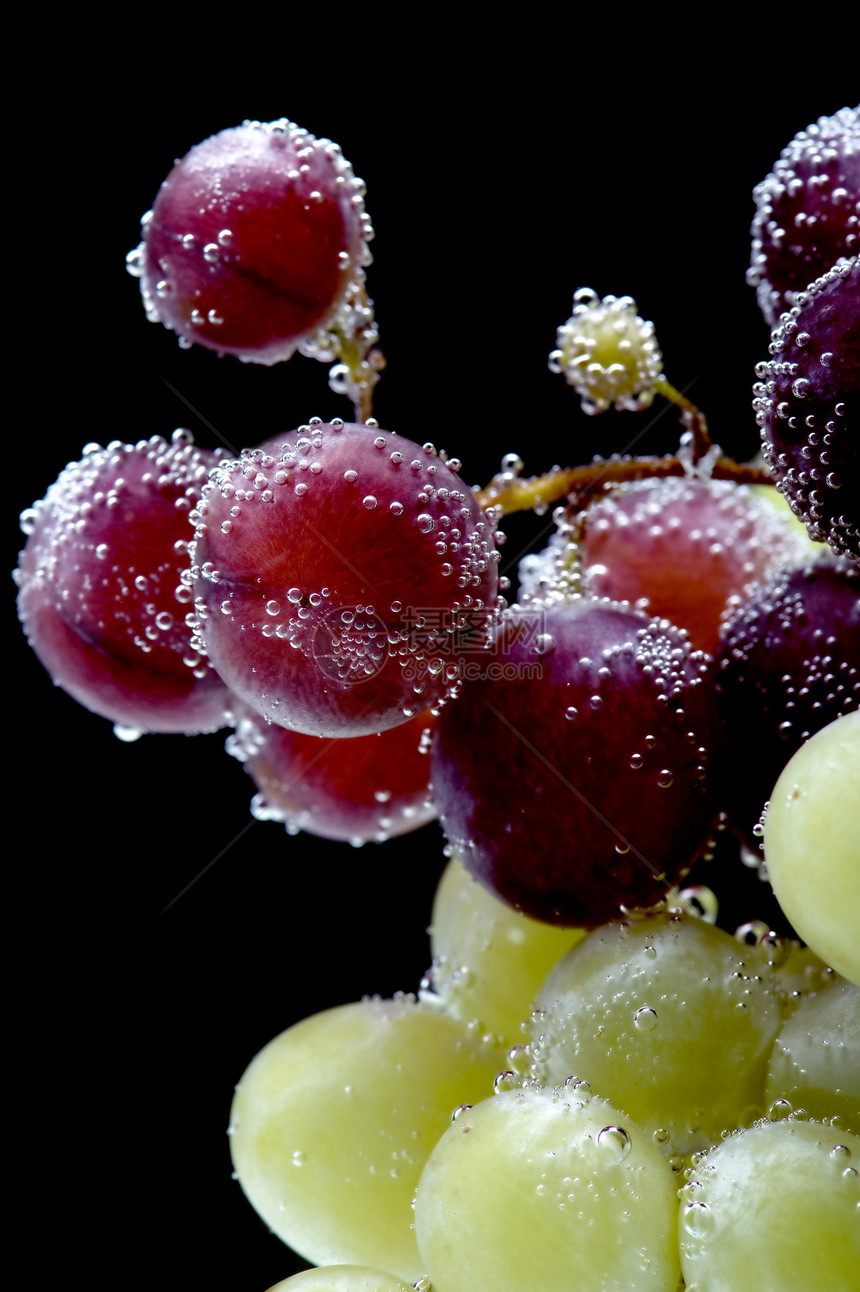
371, 787
547, 1189
789, 663
774, 1208
104, 586
667, 1017
685, 549
254, 242
807, 406
807, 211
572, 772
339, 574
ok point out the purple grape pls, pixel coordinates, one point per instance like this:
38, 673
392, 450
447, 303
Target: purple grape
334, 570
254, 242
572, 773
104, 587
807, 406
789, 664
807, 211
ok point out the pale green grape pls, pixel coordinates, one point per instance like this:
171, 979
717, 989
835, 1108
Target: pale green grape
543, 1190
801, 973
342, 1278
812, 843
775, 1208
335, 1118
815, 1061
669, 1018
489, 960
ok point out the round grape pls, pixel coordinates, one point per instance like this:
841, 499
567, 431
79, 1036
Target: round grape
371, 787
667, 1017
572, 772
339, 573
255, 243
807, 211
774, 1208
811, 831
789, 663
334, 1119
104, 586
807, 406
551, 1189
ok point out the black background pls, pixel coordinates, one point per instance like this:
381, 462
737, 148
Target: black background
161, 937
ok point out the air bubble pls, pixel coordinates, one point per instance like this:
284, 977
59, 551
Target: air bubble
645, 1019
614, 1142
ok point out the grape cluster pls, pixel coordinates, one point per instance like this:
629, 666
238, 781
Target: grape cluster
679, 653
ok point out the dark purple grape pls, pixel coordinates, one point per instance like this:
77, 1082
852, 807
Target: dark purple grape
370, 788
807, 211
789, 664
105, 589
572, 773
254, 242
335, 570
807, 406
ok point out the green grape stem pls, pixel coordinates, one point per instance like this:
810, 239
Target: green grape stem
359, 361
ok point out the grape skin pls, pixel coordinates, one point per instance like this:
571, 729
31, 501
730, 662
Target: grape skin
332, 570
602, 729
488, 959
104, 591
667, 1017
333, 1120
342, 1278
789, 663
371, 787
253, 242
541, 1187
815, 1061
810, 843
774, 1208
807, 406
686, 550
807, 211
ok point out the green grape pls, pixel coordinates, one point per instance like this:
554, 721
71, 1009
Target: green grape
547, 1190
811, 831
669, 1018
815, 1061
775, 1208
334, 1119
802, 973
342, 1278
489, 960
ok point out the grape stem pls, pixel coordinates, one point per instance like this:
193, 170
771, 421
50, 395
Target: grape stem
579, 485
507, 493
692, 418
360, 359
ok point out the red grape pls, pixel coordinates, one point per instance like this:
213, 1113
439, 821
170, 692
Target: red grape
104, 587
336, 570
807, 211
685, 549
572, 771
807, 404
254, 242
370, 788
